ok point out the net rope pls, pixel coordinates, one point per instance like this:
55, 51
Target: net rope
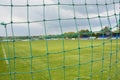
49, 69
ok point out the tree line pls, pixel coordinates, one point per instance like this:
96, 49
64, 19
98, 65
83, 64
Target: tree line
84, 33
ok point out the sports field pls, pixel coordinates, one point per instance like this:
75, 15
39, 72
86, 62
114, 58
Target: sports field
60, 60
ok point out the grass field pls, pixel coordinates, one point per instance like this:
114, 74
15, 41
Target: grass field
58, 60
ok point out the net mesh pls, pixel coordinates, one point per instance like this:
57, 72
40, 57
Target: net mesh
41, 40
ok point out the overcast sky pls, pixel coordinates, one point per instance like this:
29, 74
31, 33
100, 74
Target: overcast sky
52, 13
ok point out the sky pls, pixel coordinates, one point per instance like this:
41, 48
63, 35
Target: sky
52, 13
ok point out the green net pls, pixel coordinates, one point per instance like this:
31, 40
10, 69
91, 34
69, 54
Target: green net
59, 40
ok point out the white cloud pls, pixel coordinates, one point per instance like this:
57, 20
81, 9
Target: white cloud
51, 12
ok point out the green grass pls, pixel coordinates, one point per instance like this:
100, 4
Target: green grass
66, 60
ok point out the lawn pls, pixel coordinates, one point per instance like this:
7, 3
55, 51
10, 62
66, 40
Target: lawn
60, 60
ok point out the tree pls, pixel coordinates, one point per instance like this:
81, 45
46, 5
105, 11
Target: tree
0, 38
84, 33
106, 31
70, 35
